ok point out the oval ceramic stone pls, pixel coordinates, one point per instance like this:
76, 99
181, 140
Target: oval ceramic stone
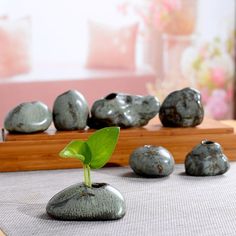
182, 108
70, 111
152, 161
123, 110
78, 202
206, 159
28, 117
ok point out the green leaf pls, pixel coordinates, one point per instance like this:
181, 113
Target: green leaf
102, 144
77, 149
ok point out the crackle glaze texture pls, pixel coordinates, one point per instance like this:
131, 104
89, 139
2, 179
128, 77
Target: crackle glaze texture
182, 108
78, 202
28, 117
152, 161
123, 110
206, 159
70, 111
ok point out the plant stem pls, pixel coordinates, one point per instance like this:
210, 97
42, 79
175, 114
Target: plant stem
87, 177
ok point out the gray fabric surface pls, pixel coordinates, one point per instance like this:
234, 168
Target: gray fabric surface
176, 205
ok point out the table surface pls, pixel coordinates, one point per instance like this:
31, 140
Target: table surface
175, 205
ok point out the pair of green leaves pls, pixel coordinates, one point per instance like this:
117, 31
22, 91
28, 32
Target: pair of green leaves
96, 151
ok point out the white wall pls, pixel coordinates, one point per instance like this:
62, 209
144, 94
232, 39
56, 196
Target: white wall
59, 26
216, 18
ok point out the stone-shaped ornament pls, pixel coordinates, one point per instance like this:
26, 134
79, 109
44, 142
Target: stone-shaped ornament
152, 161
123, 110
182, 108
28, 117
70, 111
206, 159
89, 201
79, 202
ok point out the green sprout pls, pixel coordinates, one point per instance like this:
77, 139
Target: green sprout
95, 152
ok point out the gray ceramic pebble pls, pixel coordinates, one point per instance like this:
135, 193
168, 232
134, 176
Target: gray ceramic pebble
28, 117
70, 111
206, 159
182, 108
123, 110
152, 161
78, 202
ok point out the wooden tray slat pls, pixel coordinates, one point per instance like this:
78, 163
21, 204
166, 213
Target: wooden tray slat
40, 151
154, 128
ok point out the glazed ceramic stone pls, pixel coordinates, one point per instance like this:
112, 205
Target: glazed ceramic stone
70, 111
28, 117
152, 161
206, 159
78, 202
182, 108
123, 110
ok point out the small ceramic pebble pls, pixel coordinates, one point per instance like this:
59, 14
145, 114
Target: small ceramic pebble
78, 202
152, 161
123, 110
28, 117
70, 111
206, 159
182, 108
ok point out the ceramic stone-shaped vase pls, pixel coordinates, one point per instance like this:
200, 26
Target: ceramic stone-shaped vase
79, 202
28, 117
152, 161
182, 108
70, 111
206, 159
123, 110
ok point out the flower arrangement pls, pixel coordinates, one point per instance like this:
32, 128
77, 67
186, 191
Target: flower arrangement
176, 17
212, 68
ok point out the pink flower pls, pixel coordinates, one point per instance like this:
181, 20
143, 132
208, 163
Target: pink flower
171, 5
217, 106
159, 19
218, 76
203, 51
161, 10
229, 94
204, 95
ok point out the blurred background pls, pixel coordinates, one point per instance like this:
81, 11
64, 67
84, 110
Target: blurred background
135, 46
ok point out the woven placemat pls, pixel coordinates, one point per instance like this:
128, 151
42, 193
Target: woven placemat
176, 205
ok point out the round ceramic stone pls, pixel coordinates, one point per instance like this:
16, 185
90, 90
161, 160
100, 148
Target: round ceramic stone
123, 110
206, 159
78, 202
28, 117
182, 108
152, 161
70, 111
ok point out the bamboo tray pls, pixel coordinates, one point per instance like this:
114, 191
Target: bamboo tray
40, 151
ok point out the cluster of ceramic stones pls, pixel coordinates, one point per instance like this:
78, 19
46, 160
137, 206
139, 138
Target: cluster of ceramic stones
206, 159
104, 202
181, 108
71, 112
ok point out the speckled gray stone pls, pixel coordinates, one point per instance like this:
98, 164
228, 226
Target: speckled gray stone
28, 117
123, 110
78, 202
182, 108
152, 161
70, 111
206, 159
